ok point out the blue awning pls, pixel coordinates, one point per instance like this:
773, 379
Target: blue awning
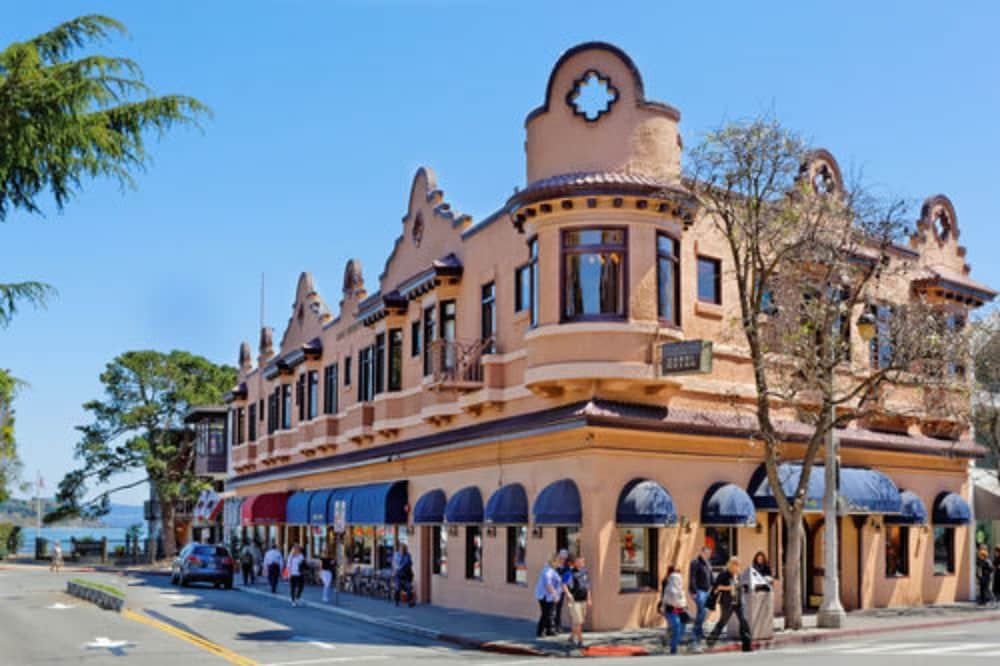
645, 502
508, 505
951, 509
378, 504
319, 511
558, 504
297, 508
429, 509
726, 504
862, 491
465, 506
912, 510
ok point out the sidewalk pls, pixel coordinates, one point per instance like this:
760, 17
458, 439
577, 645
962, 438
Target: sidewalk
495, 633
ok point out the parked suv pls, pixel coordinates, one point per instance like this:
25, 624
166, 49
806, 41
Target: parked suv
198, 562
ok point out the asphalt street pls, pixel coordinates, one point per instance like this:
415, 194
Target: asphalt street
165, 625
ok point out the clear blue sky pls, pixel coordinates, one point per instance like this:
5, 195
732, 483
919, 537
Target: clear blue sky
324, 110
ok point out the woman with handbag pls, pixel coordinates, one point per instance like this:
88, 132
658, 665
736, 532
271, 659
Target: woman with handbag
673, 605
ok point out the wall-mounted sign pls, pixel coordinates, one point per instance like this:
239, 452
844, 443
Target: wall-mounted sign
688, 357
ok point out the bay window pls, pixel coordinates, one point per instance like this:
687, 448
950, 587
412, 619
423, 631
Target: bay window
668, 283
594, 273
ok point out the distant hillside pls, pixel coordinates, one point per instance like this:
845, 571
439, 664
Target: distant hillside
22, 512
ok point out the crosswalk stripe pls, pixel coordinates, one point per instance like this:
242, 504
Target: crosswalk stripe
944, 649
877, 648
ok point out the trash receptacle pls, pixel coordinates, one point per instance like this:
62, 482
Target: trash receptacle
758, 607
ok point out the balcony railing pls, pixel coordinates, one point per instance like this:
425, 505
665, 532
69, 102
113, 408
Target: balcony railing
458, 364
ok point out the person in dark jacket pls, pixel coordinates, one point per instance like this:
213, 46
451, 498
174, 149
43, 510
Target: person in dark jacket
984, 575
699, 585
730, 602
761, 566
996, 578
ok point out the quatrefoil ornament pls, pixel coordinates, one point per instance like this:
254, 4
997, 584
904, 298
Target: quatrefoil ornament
592, 95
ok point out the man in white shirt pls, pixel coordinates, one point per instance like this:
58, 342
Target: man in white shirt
272, 563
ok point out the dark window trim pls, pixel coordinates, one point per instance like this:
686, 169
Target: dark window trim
470, 563
394, 363
414, 339
624, 247
429, 328
716, 277
331, 388
312, 394
347, 370
675, 321
488, 303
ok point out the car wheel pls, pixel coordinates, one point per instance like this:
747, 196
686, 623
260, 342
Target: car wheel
173, 578
183, 581
228, 584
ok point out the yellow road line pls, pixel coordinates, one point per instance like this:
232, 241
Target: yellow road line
193, 639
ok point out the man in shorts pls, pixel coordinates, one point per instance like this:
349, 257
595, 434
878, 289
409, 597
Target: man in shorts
576, 592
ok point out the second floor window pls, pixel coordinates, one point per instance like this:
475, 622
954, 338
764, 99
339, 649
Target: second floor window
414, 338
300, 396
395, 359
330, 402
286, 406
668, 284
347, 371
880, 347
709, 280
252, 423
488, 309
366, 384
313, 394
378, 364
430, 329
240, 420
526, 284
594, 270
272, 411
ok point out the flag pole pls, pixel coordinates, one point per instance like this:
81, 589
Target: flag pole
38, 509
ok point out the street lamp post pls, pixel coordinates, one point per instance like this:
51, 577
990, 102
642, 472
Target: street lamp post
831, 612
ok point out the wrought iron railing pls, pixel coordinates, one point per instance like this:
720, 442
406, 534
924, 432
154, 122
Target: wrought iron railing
459, 362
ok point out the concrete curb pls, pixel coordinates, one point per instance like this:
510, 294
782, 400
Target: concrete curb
834, 634
103, 599
416, 630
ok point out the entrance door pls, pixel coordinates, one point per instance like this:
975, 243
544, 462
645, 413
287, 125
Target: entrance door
427, 534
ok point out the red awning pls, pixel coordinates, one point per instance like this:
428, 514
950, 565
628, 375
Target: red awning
266, 509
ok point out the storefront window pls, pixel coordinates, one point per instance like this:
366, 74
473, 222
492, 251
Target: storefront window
360, 545
897, 559
386, 546
568, 539
517, 542
322, 541
723, 542
944, 550
594, 274
439, 543
638, 558
474, 552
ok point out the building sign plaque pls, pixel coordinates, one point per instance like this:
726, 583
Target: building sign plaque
688, 357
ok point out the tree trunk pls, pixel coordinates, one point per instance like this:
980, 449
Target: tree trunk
792, 589
167, 525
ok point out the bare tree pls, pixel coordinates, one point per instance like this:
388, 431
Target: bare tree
985, 347
810, 257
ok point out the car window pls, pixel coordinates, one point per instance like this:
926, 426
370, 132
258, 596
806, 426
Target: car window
205, 551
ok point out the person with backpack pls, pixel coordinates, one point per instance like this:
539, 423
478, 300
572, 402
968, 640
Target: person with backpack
404, 576
272, 562
576, 592
673, 605
248, 566
730, 601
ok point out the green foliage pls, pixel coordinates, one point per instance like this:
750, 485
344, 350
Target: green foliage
11, 295
138, 426
64, 119
134, 531
10, 464
99, 586
11, 538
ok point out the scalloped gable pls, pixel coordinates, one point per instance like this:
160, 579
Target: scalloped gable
309, 313
936, 237
431, 230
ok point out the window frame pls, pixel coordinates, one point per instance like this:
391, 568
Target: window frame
716, 265
731, 536
517, 539
526, 276
647, 578
252, 422
439, 550
300, 393
286, 406
675, 260
414, 338
429, 336
623, 288
949, 563
394, 379
378, 363
488, 316
331, 389
347, 370
312, 394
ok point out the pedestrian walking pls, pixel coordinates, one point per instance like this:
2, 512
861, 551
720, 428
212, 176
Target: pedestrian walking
57, 557
730, 603
577, 596
258, 557
984, 575
404, 576
327, 569
248, 566
699, 585
296, 574
996, 578
548, 591
673, 605
564, 572
272, 562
